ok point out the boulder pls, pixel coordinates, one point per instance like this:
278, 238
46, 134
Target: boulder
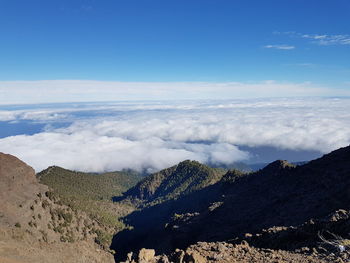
147, 255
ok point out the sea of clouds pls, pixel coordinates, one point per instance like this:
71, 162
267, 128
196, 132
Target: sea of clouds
150, 136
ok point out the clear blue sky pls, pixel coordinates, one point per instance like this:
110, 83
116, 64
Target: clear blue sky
178, 40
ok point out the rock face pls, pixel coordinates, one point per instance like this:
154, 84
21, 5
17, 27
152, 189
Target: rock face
221, 252
35, 226
146, 255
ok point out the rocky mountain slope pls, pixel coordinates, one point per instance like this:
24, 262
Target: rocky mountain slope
278, 195
36, 227
243, 205
312, 242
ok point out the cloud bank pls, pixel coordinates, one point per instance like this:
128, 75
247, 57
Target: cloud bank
152, 136
53, 91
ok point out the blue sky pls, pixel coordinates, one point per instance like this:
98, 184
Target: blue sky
289, 41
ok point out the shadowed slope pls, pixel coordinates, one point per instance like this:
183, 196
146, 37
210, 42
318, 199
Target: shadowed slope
278, 195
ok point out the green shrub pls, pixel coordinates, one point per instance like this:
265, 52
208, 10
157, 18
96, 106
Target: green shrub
103, 238
50, 195
68, 217
45, 204
58, 229
45, 237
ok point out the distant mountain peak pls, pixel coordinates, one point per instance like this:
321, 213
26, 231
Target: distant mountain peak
13, 171
277, 166
181, 179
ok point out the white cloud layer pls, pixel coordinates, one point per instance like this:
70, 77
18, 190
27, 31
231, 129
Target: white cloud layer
155, 136
51, 91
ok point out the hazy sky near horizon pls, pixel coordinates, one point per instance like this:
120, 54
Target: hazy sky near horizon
88, 50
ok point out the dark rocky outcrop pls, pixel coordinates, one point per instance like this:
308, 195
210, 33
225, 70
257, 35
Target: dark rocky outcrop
314, 241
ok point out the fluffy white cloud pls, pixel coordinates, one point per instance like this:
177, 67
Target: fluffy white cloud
90, 151
155, 136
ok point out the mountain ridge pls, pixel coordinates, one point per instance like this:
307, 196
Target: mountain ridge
170, 183
281, 211
281, 194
